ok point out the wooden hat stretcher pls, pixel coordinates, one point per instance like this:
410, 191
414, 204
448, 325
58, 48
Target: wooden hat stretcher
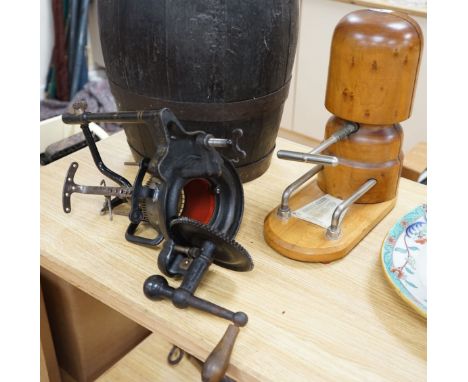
301, 240
372, 76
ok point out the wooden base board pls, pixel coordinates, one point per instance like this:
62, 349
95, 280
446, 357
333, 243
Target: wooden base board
301, 240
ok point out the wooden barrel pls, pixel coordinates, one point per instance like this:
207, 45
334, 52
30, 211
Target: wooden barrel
217, 64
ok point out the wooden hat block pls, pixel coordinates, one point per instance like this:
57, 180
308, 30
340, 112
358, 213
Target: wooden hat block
372, 75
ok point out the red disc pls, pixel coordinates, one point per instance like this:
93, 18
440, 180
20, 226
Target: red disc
200, 200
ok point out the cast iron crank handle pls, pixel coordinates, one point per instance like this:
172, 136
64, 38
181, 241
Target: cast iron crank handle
232, 144
157, 288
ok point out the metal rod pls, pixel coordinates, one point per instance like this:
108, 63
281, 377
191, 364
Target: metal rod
98, 160
308, 158
119, 192
114, 117
219, 142
284, 211
334, 231
351, 127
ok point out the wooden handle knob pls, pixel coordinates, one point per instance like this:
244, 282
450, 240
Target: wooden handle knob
217, 362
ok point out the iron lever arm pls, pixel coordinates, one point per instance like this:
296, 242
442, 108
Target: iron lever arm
98, 160
80, 109
114, 117
157, 288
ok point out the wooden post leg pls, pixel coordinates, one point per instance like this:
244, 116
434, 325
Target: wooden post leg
49, 367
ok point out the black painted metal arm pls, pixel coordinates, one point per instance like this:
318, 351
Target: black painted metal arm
80, 117
98, 160
157, 288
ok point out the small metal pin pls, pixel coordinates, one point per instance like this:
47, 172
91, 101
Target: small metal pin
107, 202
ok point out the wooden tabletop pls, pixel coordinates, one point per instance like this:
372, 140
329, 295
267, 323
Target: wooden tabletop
307, 322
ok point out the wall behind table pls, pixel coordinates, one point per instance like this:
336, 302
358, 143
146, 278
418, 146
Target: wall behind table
47, 42
304, 111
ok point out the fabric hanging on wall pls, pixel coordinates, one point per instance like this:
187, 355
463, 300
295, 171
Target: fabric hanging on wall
68, 72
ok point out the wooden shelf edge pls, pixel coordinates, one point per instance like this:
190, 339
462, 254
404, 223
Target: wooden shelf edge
147, 362
385, 5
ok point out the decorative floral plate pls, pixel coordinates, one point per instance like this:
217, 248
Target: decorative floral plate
404, 258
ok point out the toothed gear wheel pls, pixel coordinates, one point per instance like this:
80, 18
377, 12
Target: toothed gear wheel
228, 254
150, 207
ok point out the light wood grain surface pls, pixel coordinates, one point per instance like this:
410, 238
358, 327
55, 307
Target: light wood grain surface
415, 161
50, 371
148, 363
307, 322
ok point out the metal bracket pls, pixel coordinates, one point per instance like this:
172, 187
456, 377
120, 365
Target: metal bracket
70, 187
334, 230
283, 211
107, 202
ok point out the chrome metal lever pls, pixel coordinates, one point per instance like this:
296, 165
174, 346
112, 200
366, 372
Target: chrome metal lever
284, 212
296, 156
334, 230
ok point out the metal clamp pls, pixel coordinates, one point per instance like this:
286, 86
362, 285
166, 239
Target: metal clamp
334, 230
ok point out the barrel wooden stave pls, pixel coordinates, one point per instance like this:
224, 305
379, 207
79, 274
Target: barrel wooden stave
202, 52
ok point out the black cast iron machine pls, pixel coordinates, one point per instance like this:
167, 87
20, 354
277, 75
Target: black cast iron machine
193, 199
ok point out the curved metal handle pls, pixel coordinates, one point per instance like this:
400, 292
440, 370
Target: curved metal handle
218, 361
69, 187
240, 154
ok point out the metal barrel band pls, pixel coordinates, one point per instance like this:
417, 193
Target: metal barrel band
209, 112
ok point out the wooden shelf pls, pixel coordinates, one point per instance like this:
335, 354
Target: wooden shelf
386, 4
415, 162
147, 362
